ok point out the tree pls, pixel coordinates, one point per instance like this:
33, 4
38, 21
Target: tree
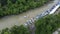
16, 30
9, 7
47, 24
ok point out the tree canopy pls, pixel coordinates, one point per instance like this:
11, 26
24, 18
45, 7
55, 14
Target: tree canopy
48, 24
13, 7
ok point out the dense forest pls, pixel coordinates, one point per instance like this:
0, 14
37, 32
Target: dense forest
48, 24
13, 7
45, 25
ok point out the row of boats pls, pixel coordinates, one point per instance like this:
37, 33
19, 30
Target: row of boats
49, 11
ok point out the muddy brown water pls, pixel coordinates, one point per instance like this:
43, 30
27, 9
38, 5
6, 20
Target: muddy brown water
12, 20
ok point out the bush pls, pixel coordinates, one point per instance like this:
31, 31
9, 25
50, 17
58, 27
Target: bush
48, 24
16, 30
12, 7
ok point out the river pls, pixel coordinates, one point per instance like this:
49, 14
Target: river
9, 21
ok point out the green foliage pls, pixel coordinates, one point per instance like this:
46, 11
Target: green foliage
48, 24
11, 7
16, 30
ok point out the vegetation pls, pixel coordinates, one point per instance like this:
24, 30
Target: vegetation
45, 25
11, 7
48, 24
16, 30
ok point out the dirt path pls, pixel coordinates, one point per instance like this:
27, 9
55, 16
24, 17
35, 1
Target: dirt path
10, 21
